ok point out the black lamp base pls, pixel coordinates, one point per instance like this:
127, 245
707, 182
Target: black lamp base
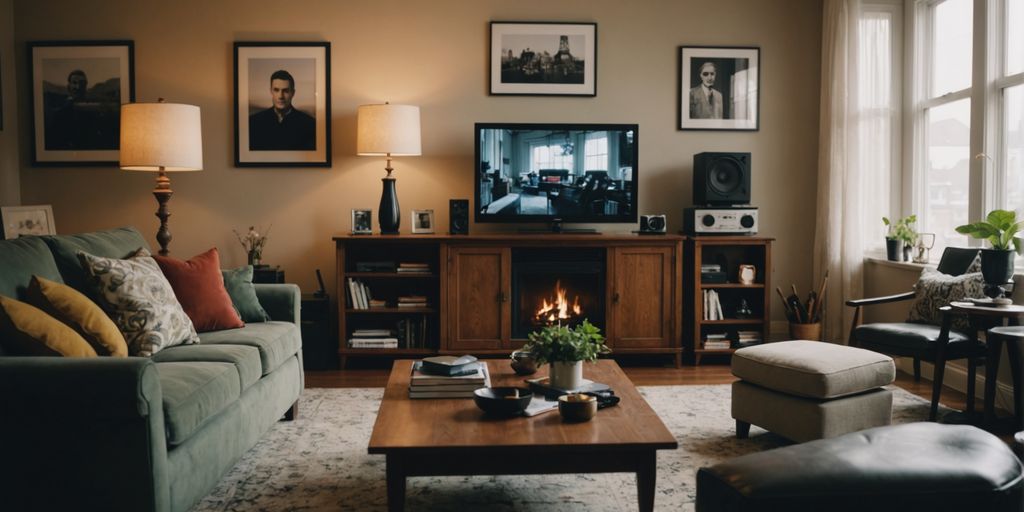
388, 215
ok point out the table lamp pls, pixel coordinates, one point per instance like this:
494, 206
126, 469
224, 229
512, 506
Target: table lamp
389, 130
161, 137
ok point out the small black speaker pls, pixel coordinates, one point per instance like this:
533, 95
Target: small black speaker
458, 216
721, 179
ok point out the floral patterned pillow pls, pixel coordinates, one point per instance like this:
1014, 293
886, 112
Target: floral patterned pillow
935, 289
137, 296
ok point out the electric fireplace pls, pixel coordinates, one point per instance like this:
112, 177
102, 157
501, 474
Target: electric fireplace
557, 286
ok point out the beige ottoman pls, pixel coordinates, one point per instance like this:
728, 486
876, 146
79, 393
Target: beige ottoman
805, 390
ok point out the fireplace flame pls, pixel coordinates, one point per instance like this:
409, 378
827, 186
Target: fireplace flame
559, 308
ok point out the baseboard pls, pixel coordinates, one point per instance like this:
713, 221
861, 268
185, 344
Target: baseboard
956, 378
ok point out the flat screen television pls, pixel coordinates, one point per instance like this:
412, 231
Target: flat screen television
582, 173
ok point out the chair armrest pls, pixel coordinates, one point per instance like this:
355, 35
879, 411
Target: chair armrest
881, 300
87, 419
281, 301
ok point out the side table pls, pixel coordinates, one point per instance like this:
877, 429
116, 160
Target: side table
318, 351
268, 274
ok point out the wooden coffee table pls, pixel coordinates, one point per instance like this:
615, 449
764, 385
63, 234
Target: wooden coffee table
442, 437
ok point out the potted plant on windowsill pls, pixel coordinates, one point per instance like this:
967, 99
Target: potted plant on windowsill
566, 349
901, 238
1000, 228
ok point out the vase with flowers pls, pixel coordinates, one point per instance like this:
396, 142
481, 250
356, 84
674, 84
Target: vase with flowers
253, 243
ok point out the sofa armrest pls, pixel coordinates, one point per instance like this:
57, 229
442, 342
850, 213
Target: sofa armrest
281, 301
93, 421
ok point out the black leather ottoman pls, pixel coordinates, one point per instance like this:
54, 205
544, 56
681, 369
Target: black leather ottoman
918, 466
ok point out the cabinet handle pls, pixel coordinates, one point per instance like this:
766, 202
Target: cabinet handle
615, 298
503, 297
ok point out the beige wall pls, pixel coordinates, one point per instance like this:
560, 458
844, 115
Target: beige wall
10, 188
432, 54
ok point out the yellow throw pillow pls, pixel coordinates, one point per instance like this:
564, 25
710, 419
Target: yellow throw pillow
28, 330
79, 313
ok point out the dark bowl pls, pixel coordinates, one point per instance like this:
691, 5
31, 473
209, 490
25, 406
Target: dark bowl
502, 401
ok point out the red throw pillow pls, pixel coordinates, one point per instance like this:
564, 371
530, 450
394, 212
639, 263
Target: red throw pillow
199, 286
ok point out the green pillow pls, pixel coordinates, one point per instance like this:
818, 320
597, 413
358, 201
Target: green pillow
238, 282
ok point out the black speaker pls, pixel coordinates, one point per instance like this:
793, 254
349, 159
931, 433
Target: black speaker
721, 179
458, 216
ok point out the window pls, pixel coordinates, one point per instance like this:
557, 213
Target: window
595, 151
552, 156
1010, 86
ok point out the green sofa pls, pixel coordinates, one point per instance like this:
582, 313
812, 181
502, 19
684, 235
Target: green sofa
136, 434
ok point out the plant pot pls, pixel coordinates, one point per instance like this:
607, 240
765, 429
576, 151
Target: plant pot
996, 269
893, 249
568, 376
805, 331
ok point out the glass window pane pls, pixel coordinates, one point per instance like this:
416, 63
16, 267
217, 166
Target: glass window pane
946, 172
1014, 36
1013, 144
876, 117
951, 46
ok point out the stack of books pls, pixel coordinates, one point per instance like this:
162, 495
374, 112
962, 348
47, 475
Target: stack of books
711, 273
412, 301
413, 268
712, 306
748, 338
359, 295
717, 342
373, 338
456, 380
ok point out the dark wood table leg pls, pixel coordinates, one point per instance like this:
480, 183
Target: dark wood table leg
1014, 353
396, 484
994, 343
646, 478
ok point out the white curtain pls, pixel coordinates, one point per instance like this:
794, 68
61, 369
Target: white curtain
838, 247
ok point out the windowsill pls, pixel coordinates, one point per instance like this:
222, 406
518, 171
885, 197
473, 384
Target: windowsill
880, 259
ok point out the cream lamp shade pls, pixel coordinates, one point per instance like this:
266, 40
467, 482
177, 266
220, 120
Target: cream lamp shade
388, 130
161, 137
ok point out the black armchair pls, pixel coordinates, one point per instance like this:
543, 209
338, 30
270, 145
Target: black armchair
933, 343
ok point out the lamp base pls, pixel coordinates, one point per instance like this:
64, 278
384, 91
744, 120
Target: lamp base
388, 215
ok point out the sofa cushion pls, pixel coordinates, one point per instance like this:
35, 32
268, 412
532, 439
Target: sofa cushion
113, 243
276, 341
199, 287
140, 300
20, 259
246, 359
238, 282
193, 393
79, 313
28, 330
813, 369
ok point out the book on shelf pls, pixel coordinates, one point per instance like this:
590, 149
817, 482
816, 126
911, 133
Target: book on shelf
359, 294
375, 266
415, 268
717, 341
712, 306
372, 333
378, 303
412, 299
373, 342
412, 332
710, 267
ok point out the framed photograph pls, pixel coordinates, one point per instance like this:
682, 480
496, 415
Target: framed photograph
282, 104
21, 221
543, 59
423, 221
78, 88
362, 222
719, 88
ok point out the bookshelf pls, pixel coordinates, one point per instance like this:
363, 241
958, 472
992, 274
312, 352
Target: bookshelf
367, 269
728, 252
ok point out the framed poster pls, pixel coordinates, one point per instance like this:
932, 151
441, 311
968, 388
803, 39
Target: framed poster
543, 59
282, 104
78, 88
719, 88
18, 221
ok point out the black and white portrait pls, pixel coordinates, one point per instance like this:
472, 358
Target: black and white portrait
718, 88
423, 221
78, 89
282, 104
362, 222
543, 58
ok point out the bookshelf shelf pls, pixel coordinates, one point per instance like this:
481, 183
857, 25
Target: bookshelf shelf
734, 286
734, 321
390, 311
390, 275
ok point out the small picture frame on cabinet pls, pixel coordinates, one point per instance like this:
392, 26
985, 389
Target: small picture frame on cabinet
362, 221
422, 221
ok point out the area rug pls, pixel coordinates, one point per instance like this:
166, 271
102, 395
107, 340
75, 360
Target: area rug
319, 462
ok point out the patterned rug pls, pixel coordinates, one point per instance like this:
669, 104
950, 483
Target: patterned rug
319, 462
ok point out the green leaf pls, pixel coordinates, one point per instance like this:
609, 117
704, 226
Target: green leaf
1002, 219
1018, 245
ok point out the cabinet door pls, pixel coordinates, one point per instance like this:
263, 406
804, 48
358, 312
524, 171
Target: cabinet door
642, 297
478, 298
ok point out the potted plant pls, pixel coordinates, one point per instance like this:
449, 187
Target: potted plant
566, 349
1000, 228
901, 237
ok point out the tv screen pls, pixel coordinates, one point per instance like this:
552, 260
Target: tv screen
556, 172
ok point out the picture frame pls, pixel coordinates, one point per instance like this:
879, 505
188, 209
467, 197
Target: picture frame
543, 59
18, 221
362, 221
719, 88
302, 136
77, 89
422, 221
